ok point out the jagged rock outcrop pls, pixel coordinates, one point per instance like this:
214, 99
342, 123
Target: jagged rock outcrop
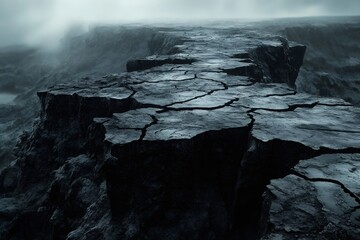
331, 66
154, 61
280, 138
280, 64
178, 149
79, 57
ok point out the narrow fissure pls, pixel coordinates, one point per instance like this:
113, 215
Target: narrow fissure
144, 129
327, 180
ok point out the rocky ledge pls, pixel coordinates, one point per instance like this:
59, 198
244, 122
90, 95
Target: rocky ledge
210, 142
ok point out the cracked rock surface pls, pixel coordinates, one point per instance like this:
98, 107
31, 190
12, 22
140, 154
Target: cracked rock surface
183, 146
318, 200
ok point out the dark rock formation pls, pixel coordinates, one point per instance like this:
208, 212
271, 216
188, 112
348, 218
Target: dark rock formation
183, 149
98, 52
331, 66
143, 64
280, 64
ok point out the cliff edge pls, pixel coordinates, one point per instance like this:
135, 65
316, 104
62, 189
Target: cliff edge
200, 144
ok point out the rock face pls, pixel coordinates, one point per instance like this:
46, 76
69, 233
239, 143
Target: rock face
327, 70
280, 63
155, 61
98, 52
182, 147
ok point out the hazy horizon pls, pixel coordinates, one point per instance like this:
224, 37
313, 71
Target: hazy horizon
41, 21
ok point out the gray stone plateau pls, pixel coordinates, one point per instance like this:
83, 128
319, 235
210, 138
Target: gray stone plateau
184, 146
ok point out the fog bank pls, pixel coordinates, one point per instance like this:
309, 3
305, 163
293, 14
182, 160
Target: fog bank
45, 21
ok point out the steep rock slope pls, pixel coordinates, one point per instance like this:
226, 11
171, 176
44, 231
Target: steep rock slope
332, 64
101, 51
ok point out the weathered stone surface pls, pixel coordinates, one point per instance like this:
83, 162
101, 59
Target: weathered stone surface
126, 127
320, 200
228, 80
331, 127
189, 124
165, 94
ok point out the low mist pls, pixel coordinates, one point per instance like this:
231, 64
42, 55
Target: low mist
44, 22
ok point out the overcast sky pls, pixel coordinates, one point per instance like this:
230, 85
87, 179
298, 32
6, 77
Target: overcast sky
31, 21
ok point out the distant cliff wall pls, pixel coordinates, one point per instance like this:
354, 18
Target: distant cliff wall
332, 62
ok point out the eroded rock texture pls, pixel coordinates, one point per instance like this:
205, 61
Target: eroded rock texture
319, 200
183, 147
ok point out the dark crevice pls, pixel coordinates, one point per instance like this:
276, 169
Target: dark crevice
296, 106
289, 109
210, 71
335, 105
144, 64
355, 209
196, 167
252, 120
199, 108
244, 55
133, 91
222, 83
277, 95
243, 85
144, 129
226, 86
212, 80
